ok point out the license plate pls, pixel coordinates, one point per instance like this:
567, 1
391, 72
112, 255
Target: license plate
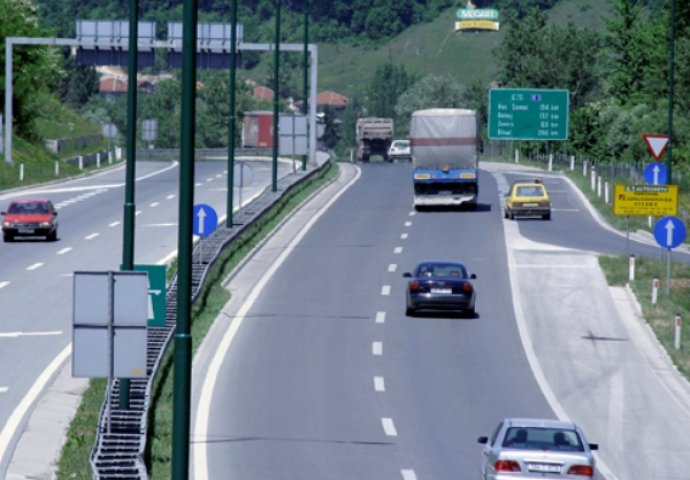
529, 204
543, 467
25, 230
441, 290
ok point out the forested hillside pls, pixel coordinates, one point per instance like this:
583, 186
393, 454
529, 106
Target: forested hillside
391, 56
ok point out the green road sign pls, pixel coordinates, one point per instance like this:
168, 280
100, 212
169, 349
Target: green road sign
157, 293
528, 114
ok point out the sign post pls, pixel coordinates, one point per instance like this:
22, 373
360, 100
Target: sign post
669, 233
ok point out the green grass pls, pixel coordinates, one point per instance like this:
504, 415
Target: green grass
74, 462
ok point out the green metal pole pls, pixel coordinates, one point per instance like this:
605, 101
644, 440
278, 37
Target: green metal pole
231, 118
671, 67
128, 230
276, 70
305, 69
183, 337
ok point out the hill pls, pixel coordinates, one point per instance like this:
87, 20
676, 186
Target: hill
436, 47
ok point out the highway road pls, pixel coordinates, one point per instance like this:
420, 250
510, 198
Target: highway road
36, 276
313, 371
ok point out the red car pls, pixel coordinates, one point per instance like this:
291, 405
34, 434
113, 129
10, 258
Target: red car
30, 217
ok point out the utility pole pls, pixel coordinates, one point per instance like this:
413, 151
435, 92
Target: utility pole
671, 68
305, 71
276, 103
231, 118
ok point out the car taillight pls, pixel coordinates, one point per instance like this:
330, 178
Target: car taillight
584, 470
507, 466
414, 286
467, 287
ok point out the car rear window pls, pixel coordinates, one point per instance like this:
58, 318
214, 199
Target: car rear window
538, 438
530, 191
441, 270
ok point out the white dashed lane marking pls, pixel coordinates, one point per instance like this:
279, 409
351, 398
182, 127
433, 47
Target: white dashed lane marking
170, 197
154, 204
403, 236
380, 317
389, 427
114, 224
379, 385
386, 290
92, 236
64, 250
34, 266
398, 250
408, 224
392, 267
4, 284
4, 389
377, 348
408, 474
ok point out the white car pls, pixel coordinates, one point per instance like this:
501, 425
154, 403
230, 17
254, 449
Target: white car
536, 449
399, 149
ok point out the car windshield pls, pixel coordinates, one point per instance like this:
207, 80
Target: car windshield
441, 270
28, 208
401, 144
539, 438
530, 191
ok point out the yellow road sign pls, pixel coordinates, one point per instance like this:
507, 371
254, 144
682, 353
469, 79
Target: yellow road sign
654, 200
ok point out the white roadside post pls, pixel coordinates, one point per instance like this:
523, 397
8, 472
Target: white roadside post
676, 339
606, 192
550, 162
594, 177
517, 156
599, 186
57, 168
21, 172
631, 268
584, 168
655, 290
572, 162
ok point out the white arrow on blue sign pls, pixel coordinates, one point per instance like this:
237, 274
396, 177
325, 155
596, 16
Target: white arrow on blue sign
670, 232
204, 220
655, 173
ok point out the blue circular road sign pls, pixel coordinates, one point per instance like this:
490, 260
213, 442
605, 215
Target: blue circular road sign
669, 232
655, 173
204, 220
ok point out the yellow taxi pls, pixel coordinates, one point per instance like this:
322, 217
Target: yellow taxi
527, 198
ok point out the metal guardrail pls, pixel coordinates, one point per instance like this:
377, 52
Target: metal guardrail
120, 444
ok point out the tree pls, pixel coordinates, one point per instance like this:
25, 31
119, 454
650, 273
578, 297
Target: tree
388, 83
432, 91
36, 69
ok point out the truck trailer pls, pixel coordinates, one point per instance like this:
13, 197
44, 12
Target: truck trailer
445, 157
374, 137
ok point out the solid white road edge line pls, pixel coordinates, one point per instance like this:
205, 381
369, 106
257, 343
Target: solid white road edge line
15, 419
200, 429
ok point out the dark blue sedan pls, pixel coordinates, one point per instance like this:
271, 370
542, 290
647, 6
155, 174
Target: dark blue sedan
438, 285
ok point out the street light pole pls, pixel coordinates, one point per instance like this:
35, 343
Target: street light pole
276, 85
305, 70
231, 118
671, 68
183, 338
130, 174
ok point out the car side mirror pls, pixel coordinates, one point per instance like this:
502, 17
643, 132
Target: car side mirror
594, 446
483, 440
473, 276
407, 275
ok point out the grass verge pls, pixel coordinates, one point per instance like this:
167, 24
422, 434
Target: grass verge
74, 461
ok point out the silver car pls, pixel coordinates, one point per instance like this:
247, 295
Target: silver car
528, 448
400, 149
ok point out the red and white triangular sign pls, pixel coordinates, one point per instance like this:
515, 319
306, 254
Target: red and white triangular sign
656, 144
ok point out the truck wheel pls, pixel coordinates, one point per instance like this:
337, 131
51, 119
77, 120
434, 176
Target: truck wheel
365, 158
